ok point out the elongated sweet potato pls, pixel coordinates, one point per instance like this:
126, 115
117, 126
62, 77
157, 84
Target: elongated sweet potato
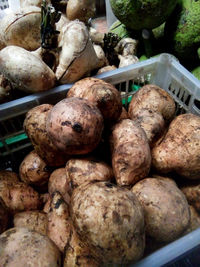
131, 157
59, 225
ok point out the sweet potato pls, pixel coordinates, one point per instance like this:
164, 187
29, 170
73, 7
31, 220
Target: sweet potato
131, 157
75, 126
35, 127
110, 220
59, 225
179, 150
33, 170
154, 98
166, 210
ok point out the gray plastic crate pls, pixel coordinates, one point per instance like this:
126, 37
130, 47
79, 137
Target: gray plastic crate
164, 71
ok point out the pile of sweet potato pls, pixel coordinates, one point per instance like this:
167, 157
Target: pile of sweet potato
104, 185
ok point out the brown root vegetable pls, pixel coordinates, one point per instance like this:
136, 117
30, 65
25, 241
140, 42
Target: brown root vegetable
33, 170
22, 28
179, 150
105, 69
166, 210
59, 226
75, 125
6, 175
33, 220
77, 58
80, 9
4, 216
85, 170
77, 254
192, 193
152, 123
109, 219
35, 128
131, 157
104, 95
23, 247
154, 98
18, 196
32, 77
59, 181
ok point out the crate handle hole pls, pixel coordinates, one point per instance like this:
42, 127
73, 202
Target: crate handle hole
197, 103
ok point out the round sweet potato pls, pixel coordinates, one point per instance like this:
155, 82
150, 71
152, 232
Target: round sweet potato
104, 95
85, 170
33, 220
75, 126
77, 254
33, 75
59, 182
33, 170
23, 247
6, 175
59, 225
35, 128
153, 98
131, 157
110, 220
179, 150
22, 28
19, 196
166, 210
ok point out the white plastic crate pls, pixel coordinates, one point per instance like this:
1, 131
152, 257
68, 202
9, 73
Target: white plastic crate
164, 71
